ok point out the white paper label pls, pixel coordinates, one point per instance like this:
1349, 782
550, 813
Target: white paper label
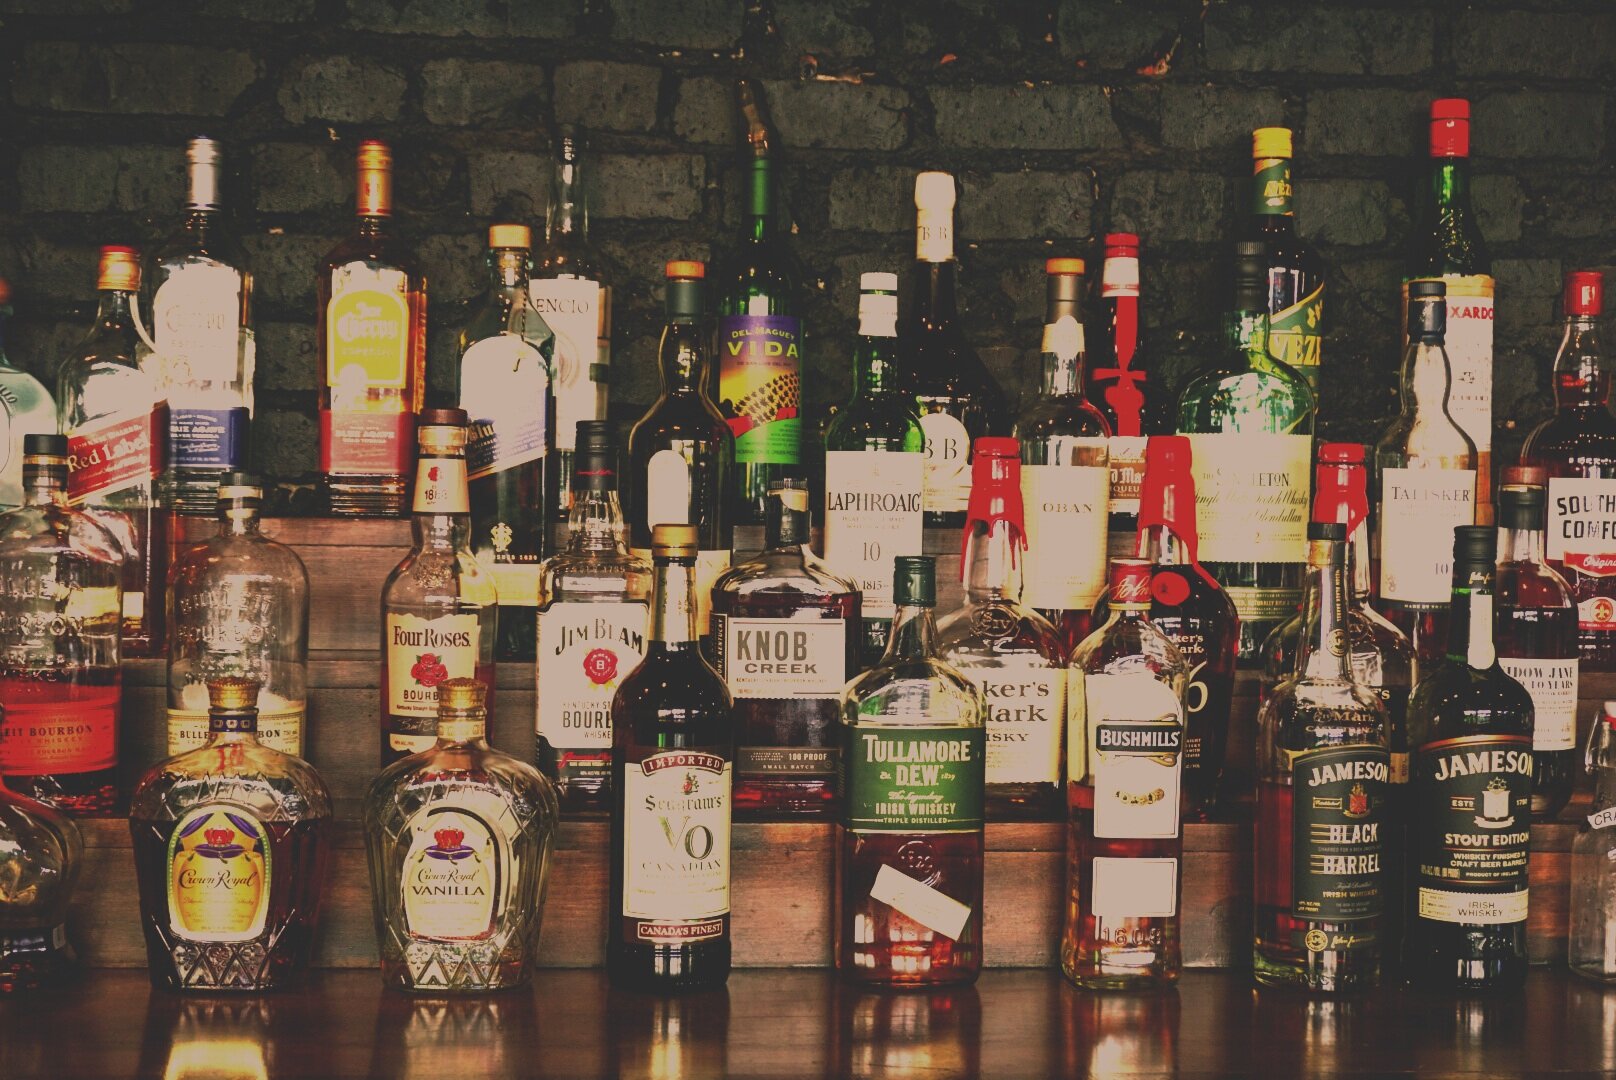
930, 908
676, 831
1602, 819
196, 317
504, 384
1131, 728
1251, 496
1582, 524
584, 652
1135, 888
1127, 472
579, 312
782, 658
1066, 512
1484, 909
1026, 708
667, 489
1419, 509
872, 515
948, 468
1553, 686
457, 868
1469, 345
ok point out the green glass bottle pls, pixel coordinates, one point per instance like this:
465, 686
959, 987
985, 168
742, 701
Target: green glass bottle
1295, 271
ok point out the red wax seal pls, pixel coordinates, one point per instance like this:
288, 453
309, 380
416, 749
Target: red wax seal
601, 666
1340, 486
1167, 497
429, 670
995, 494
1169, 589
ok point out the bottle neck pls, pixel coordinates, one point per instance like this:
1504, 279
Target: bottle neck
441, 510
1324, 653
1580, 378
934, 306
673, 614
1064, 350
1246, 331
875, 366
1426, 381
1160, 546
1602, 763
44, 485
1362, 583
684, 359
993, 562
508, 270
113, 307
232, 726
202, 188
759, 201
1470, 639
239, 521
595, 522
568, 214
913, 634
1450, 184
460, 729
1520, 544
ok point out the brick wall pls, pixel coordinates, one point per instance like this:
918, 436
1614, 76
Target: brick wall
1063, 120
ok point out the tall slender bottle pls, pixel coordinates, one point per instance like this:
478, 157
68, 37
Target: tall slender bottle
571, 292
957, 398
1250, 418
506, 351
1324, 774
681, 451
673, 753
1065, 474
1118, 387
204, 352
1295, 271
1470, 823
1447, 245
116, 423
439, 607
1577, 445
1591, 941
1425, 483
26, 408
372, 337
874, 468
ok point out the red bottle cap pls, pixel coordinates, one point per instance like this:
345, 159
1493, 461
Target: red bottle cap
1167, 495
1341, 486
1121, 243
1130, 583
1342, 453
1585, 293
1450, 127
995, 492
1524, 476
1610, 713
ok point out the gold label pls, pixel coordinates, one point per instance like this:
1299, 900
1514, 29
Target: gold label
278, 729
451, 874
1066, 508
367, 328
218, 875
1251, 494
423, 653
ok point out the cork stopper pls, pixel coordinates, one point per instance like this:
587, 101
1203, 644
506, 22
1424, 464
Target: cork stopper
673, 541
461, 696
120, 270
232, 694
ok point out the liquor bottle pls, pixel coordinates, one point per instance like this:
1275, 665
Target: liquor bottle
673, 753
593, 610
1537, 636
60, 681
372, 338
1447, 245
1578, 447
759, 336
439, 613
785, 641
232, 842
1592, 937
1196, 615
874, 468
1470, 728
116, 425
459, 839
1295, 271
1249, 418
1005, 647
1117, 387
908, 885
505, 389
1065, 475
1425, 482
681, 451
204, 353
572, 294
956, 397
238, 606
41, 852
1124, 773
26, 409
1323, 774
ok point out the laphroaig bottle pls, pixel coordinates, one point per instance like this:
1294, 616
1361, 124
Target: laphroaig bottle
26, 408
1295, 271
1591, 942
1119, 386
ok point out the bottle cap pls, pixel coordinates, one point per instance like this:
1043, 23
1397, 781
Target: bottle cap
240, 487
1130, 584
1475, 544
1427, 287
1271, 142
202, 150
878, 281
232, 694
1340, 485
1584, 293
1521, 506
1122, 240
1427, 310
119, 270
510, 236
1251, 276
53, 446
914, 581
1327, 531
1524, 475
1063, 266
1341, 453
442, 418
1450, 127
934, 191
685, 268
375, 179
673, 541
461, 696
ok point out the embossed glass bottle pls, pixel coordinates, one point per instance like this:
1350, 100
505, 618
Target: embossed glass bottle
459, 838
26, 408
40, 855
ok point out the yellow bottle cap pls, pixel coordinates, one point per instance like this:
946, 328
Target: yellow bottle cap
685, 268
510, 236
233, 694
461, 695
674, 541
120, 269
1271, 142
1063, 266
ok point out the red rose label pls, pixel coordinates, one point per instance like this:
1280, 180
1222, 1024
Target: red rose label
601, 666
429, 670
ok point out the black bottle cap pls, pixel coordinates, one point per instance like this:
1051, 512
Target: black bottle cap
442, 418
1475, 545
44, 445
686, 297
1327, 531
1521, 506
594, 463
1251, 276
1427, 311
914, 581
1427, 287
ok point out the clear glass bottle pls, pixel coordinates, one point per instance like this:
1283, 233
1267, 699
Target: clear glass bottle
1124, 785
232, 843
785, 640
238, 605
61, 579
40, 856
26, 408
1005, 647
1591, 943
909, 848
116, 423
459, 838
439, 607
594, 605
1323, 777
204, 353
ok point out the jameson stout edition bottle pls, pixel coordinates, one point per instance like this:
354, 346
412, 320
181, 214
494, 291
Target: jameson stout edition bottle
1295, 271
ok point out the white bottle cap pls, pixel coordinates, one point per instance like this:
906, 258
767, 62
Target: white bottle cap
934, 191
934, 217
877, 281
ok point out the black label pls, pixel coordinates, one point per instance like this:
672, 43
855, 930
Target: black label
786, 762
1338, 807
1472, 828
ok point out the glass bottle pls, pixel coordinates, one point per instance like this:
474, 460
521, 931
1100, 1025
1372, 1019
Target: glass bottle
1323, 776
1009, 650
759, 334
956, 397
232, 843
673, 753
1295, 271
1065, 474
1119, 387
116, 424
593, 610
1448, 246
1577, 445
1592, 939
25, 407
572, 294
1469, 834
459, 838
874, 468
1537, 636
439, 612
238, 605
41, 852
1425, 484
203, 350
681, 451
505, 388
909, 847
1249, 418
372, 337
785, 641
1124, 769
61, 576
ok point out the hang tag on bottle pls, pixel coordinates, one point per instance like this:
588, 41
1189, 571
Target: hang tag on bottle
922, 903
1603, 819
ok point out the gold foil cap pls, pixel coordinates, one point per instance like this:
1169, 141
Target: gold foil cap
120, 270
510, 236
461, 696
673, 541
232, 694
375, 179
1271, 142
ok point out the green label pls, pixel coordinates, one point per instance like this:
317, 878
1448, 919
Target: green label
1271, 186
1296, 335
1472, 828
913, 779
1339, 799
760, 386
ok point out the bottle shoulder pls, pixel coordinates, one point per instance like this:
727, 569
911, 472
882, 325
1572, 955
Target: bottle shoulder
787, 572
275, 786
997, 633
926, 692
1226, 395
1575, 442
462, 774
1456, 699
55, 531
1068, 416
